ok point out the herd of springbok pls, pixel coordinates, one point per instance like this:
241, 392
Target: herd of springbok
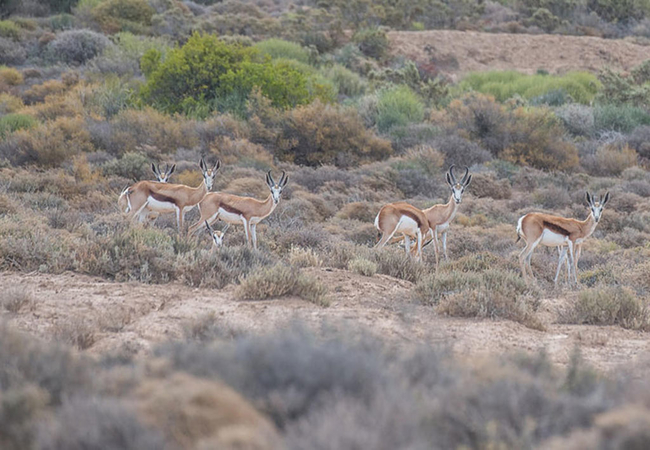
144, 201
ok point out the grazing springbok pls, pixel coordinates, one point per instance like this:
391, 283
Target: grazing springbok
163, 176
440, 216
404, 219
556, 231
216, 235
236, 210
138, 200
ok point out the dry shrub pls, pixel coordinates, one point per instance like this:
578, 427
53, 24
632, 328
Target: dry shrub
38, 92
7, 205
56, 106
486, 185
396, 263
15, 298
280, 280
608, 305
20, 408
361, 211
304, 257
10, 104
198, 413
613, 160
363, 267
241, 152
97, 423
322, 207
318, 134
78, 332
10, 76
190, 178
211, 327
248, 186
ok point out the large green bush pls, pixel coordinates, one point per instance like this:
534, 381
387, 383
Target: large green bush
398, 106
580, 86
622, 118
279, 48
207, 74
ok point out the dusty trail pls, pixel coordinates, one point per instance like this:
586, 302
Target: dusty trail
138, 316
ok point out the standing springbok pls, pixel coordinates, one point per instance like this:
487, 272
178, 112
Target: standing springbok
405, 219
216, 235
556, 231
138, 200
163, 177
440, 216
236, 210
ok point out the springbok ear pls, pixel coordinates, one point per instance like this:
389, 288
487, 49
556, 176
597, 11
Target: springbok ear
210, 230
589, 199
469, 180
225, 228
202, 164
172, 169
217, 165
449, 179
606, 199
153, 169
286, 180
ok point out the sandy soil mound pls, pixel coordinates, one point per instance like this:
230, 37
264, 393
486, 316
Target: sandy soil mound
458, 52
138, 316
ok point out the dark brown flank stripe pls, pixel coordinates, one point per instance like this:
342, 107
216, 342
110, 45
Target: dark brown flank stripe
230, 209
556, 228
162, 198
412, 216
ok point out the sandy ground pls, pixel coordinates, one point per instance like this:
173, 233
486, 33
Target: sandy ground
457, 52
138, 316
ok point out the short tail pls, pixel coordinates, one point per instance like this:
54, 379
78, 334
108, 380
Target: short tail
519, 230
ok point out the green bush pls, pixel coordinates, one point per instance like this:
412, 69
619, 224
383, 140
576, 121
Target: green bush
207, 73
372, 42
278, 48
13, 122
348, 83
622, 118
582, 87
398, 106
123, 15
9, 29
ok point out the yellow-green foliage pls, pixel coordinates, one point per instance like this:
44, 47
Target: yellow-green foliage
581, 86
123, 15
281, 280
9, 29
10, 104
10, 76
363, 267
279, 48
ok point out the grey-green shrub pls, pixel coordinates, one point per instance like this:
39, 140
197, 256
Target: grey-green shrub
76, 46
279, 48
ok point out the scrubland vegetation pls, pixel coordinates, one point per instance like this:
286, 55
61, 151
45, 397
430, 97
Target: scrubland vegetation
92, 92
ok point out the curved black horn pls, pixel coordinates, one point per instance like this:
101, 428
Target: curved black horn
451, 172
464, 180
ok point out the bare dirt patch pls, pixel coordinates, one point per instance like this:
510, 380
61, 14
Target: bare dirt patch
456, 53
138, 316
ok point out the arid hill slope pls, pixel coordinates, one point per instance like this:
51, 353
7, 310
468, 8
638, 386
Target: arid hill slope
458, 52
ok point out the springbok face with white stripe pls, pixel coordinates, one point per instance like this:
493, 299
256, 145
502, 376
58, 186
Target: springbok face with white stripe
458, 187
597, 204
276, 188
163, 176
216, 235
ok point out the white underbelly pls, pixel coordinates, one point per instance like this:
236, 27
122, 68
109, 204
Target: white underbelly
407, 226
229, 217
158, 206
551, 239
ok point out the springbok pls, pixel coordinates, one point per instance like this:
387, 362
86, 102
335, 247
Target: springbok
405, 219
216, 235
138, 200
163, 177
440, 216
236, 210
556, 231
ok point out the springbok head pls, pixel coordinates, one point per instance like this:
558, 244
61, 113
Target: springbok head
276, 188
217, 235
458, 187
209, 173
597, 204
163, 175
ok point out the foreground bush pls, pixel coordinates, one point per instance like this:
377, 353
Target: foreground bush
281, 280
